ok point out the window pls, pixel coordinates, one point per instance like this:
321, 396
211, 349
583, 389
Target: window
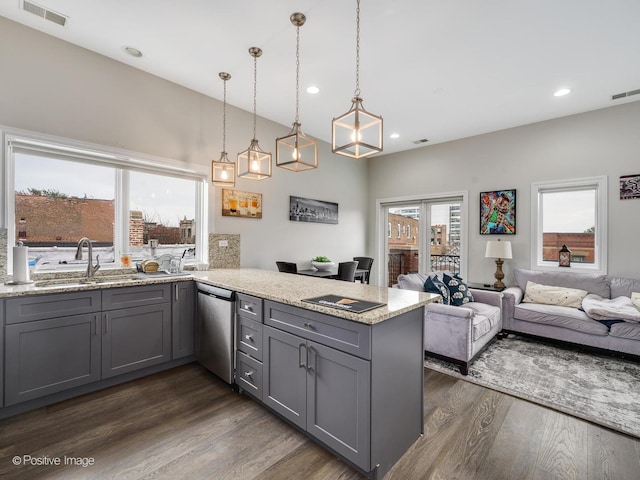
58, 193
571, 213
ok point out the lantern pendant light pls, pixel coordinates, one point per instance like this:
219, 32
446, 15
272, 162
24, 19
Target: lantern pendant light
254, 163
223, 172
297, 151
357, 133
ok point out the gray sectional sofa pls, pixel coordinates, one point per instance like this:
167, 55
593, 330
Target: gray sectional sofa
571, 324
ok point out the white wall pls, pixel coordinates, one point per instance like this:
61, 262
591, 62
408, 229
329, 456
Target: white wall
53, 87
602, 142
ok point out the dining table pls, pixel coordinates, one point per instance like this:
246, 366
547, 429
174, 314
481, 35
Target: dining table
330, 273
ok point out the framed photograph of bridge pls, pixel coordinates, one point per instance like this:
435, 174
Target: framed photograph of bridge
498, 212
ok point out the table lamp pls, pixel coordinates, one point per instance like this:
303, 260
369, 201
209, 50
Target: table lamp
498, 250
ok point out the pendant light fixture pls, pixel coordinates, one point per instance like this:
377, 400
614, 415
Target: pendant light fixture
357, 133
223, 172
297, 151
254, 163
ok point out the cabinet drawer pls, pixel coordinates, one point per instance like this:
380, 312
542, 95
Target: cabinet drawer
250, 337
249, 307
41, 307
125, 297
345, 335
249, 375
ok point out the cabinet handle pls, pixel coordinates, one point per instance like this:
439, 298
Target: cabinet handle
300, 364
308, 325
309, 367
176, 291
95, 325
248, 307
248, 374
249, 338
106, 323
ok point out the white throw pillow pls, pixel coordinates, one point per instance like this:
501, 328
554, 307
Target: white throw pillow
553, 295
635, 298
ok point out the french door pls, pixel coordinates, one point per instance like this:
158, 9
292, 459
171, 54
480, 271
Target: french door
422, 235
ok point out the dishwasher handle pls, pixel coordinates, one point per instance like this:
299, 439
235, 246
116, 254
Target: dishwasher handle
217, 292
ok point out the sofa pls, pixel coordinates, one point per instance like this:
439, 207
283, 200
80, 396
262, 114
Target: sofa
571, 324
457, 333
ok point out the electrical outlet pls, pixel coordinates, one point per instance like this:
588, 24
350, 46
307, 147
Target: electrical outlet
223, 243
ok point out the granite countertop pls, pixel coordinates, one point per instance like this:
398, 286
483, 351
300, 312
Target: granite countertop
292, 289
286, 288
72, 282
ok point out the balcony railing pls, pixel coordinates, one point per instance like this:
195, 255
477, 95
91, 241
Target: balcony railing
399, 263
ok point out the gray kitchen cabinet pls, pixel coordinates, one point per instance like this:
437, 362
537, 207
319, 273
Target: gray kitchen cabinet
249, 330
135, 338
48, 356
320, 389
184, 319
354, 387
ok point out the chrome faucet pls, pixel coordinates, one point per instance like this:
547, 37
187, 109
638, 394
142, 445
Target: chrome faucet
91, 269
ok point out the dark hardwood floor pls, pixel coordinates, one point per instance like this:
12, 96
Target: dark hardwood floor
186, 424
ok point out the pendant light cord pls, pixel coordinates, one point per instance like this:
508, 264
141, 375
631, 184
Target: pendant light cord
224, 119
255, 88
297, 71
357, 92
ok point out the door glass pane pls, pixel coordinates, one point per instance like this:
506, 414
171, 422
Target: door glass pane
161, 208
445, 231
403, 241
569, 218
57, 202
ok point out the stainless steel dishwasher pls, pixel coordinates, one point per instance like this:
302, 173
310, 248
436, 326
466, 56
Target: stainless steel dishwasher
215, 332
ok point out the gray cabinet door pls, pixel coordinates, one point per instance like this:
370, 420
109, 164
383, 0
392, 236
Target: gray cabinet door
135, 338
184, 319
48, 356
1, 352
284, 379
339, 402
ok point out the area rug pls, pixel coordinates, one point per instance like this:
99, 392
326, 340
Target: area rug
600, 389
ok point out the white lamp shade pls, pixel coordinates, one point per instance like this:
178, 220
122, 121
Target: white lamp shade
498, 249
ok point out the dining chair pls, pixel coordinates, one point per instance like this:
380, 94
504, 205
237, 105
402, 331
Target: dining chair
347, 271
287, 267
364, 263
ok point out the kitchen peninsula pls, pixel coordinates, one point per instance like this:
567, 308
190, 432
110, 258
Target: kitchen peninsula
353, 382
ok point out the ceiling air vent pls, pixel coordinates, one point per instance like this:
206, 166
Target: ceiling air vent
625, 94
422, 140
42, 12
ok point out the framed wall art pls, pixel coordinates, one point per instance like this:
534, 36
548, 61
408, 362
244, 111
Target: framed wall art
498, 212
236, 203
629, 187
313, 211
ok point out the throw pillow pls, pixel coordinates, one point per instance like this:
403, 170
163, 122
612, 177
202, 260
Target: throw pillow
458, 290
635, 298
553, 295
435, 285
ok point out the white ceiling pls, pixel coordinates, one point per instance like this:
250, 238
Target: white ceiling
434, 69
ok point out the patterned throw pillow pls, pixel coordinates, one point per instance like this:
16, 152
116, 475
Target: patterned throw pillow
458, 290
435, 285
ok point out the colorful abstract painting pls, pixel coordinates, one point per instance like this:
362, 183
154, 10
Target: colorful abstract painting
498, 212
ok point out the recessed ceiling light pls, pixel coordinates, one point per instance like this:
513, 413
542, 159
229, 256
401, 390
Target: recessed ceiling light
562, 92
134, 52
313, 90
394, 135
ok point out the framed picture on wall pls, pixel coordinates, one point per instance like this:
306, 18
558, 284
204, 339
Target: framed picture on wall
629, 187
498, 212
313, 211
236, 203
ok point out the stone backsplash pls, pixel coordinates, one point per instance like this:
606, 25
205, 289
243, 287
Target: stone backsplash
224, 256
3, 255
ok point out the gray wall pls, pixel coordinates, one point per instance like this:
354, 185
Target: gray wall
602, 142
53, 87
